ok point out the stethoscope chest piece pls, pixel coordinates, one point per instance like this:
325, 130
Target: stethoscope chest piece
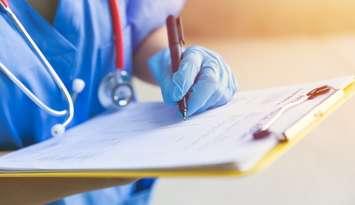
115, 90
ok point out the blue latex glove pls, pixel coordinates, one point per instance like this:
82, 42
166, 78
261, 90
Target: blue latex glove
201, 71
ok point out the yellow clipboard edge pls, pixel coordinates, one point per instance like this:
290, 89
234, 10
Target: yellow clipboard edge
266, 161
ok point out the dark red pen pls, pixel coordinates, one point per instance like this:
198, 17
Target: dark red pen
176, 45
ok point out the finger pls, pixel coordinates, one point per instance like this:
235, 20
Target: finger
211, 102
204, 88
183, 79
222, 96
215, 100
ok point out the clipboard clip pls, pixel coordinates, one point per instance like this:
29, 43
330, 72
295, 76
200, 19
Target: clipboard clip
264, 130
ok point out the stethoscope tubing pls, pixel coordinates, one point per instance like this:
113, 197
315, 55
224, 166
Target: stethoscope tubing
70, 111
78, 84
28, 93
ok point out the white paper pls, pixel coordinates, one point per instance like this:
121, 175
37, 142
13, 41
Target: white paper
153, 136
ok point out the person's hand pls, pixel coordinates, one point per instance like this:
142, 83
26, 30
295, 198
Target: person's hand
202, 73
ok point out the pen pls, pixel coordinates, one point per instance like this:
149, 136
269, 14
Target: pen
176, 44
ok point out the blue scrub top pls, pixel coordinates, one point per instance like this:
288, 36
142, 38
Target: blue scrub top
79, 44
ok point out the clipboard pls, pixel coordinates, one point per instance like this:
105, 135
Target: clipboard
262, 164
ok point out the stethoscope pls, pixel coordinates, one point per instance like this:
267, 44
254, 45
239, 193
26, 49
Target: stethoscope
115, 90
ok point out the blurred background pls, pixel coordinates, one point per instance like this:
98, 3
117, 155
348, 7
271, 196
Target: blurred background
268, 18
271, 43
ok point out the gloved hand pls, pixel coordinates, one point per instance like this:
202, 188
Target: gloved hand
201, 71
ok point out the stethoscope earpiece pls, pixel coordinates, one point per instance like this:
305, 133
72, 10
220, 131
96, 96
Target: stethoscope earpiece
57, 130
78, 85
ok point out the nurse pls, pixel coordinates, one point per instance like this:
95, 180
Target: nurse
77, 39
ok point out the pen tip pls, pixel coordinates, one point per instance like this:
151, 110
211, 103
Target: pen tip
184, 115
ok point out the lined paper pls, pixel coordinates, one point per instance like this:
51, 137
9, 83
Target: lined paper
154, 136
